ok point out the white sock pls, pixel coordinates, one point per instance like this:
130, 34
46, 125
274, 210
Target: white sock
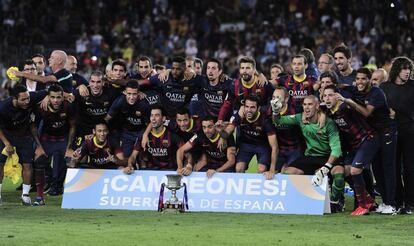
0, 189
26, 189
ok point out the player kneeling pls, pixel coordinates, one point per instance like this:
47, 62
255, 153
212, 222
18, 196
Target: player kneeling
213, 158
103, 152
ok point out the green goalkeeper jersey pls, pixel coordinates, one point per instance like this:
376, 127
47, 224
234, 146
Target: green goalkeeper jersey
319, 142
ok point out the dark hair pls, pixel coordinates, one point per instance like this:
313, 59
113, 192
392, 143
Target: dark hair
278, 66
178, 59
247, 59
252, 98
39, 55
209, 118
29, 62
119, 62
97, 73
332, 87
158, 107
330, 74
55, 88
199, 61
17, 90
219, 65
158, 66
282, 88
145, 58
365, 71
101, 122
305, 61
342, 49
133, 84
398, 64
310, 57
183, 111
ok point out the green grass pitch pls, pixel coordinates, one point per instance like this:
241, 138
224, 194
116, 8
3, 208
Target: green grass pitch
51, 225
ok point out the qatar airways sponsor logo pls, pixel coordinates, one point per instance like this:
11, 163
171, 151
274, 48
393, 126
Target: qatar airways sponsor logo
158, 151
134, 121
97, 111
298, 94
175, 97
213, 98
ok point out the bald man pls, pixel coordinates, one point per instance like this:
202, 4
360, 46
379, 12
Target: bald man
72, 65
63, 77
379, 76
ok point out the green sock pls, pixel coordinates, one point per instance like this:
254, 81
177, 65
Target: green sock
338, 185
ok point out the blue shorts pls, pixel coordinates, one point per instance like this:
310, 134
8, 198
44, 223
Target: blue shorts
363, 156
128, 139
247, 151
52, 147
287, 157
24, 148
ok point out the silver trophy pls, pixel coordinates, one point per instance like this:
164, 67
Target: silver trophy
173, 204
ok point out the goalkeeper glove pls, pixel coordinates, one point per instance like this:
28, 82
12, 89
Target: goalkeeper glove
320, 174
276, 105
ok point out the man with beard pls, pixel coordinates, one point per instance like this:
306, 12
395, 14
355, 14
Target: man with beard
343, 56
399, 91
214, 92
56, 136
257, 137
359, 140
214, 159
145, 70
176, 92
18, 133
162, 146
373, 105
246, 85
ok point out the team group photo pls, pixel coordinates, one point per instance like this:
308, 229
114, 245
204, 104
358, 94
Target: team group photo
278, 101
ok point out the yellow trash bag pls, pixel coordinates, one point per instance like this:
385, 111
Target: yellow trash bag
12, 168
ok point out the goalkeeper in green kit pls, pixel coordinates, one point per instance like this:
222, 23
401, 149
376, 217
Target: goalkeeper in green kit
323, 147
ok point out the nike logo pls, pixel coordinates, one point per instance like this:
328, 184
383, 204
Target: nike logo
88, 103
388, 142
358, 163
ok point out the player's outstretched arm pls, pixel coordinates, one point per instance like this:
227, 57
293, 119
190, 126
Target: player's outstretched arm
187, 170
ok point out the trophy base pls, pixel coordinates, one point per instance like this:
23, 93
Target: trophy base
172, 207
